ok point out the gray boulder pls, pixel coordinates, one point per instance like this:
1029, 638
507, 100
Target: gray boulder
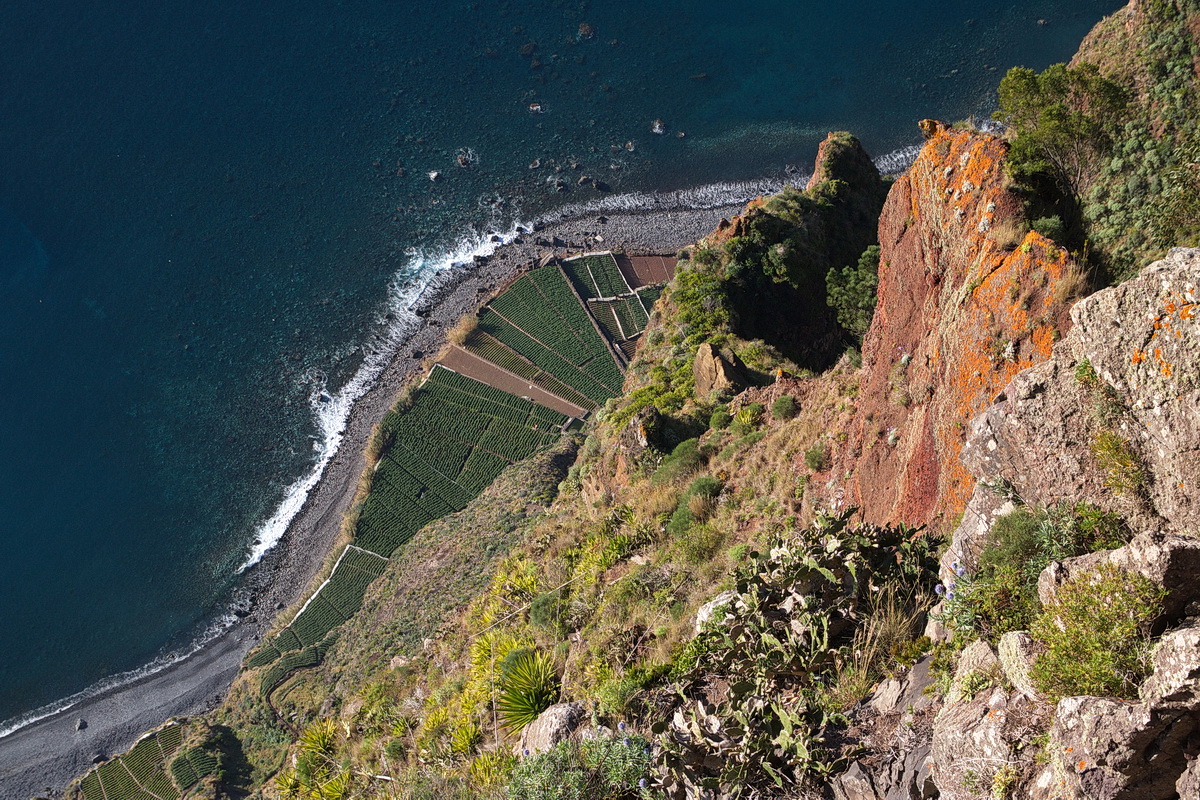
552, 726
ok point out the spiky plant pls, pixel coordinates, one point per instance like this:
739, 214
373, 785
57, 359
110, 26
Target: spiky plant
528, 687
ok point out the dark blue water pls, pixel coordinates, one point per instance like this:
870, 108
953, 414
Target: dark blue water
202, 207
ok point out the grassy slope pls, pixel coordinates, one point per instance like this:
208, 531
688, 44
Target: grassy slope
1141, 197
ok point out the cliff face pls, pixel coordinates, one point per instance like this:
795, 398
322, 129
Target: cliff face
966, 300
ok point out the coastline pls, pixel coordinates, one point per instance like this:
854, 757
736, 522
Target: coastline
42, 757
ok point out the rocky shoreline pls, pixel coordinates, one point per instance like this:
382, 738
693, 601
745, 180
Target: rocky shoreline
40, 759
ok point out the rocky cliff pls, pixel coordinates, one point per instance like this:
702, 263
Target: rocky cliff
1128, 367
967, 299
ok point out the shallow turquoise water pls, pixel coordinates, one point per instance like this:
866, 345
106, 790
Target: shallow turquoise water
203, 209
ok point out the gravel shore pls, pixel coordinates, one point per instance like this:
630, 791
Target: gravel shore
42, 758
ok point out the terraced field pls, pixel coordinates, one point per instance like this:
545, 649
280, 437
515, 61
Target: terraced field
596, 275
539, 338
140, 774
446, 447
541, 319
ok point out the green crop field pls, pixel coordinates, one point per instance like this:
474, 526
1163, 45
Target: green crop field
596, 276
541, 318
447, 446
504, 357
650, 294
622, 318
140, 774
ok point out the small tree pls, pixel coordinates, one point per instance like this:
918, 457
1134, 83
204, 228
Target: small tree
851, 292
1060, 120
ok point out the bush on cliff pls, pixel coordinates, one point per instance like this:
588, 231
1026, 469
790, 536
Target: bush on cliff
851, 292
1002, 595
1096, 633
1062, 120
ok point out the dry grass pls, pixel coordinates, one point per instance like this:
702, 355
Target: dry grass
702, 507
891, 624
462, 329
1074, 283
1009, 233
377, 445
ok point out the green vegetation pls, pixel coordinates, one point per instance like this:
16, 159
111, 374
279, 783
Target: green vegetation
852, 292
448, 443
1002, 595
596, 276
528, 686
620, 319
540, 318
1096, 633
784, 407
817, 457
1062, 118
502, 356
1122, 467
1109, 145
139, 774
603, 768
790, 630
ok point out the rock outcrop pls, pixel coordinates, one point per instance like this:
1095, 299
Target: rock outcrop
552, 726
1111, 750
967, 300
714, 372
1142, 341
1128, 368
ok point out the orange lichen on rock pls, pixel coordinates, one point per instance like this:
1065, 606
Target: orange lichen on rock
967, 299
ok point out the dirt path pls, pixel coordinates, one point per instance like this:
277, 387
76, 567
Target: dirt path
484, 371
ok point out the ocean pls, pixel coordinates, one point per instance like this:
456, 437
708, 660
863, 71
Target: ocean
212, 216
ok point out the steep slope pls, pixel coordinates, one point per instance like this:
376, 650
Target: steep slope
967, 299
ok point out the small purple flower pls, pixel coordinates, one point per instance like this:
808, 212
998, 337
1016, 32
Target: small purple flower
526, 751
950, 595
950, 586
959, 569
620, 726
939, 590
642, 783
625, 741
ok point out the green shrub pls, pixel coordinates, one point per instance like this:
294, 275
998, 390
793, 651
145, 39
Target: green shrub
790, 628
605, 768
682, 462
1002, 595
1005, 602
1051, 228
705, 486
1013, 540
1122, 467
1096, 635
851, 292
700, 543
528, 686
720, 419
816, 457
747, 419
546, 613
784, 407
680, 521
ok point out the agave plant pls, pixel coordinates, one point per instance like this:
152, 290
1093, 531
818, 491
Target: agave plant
528, 686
